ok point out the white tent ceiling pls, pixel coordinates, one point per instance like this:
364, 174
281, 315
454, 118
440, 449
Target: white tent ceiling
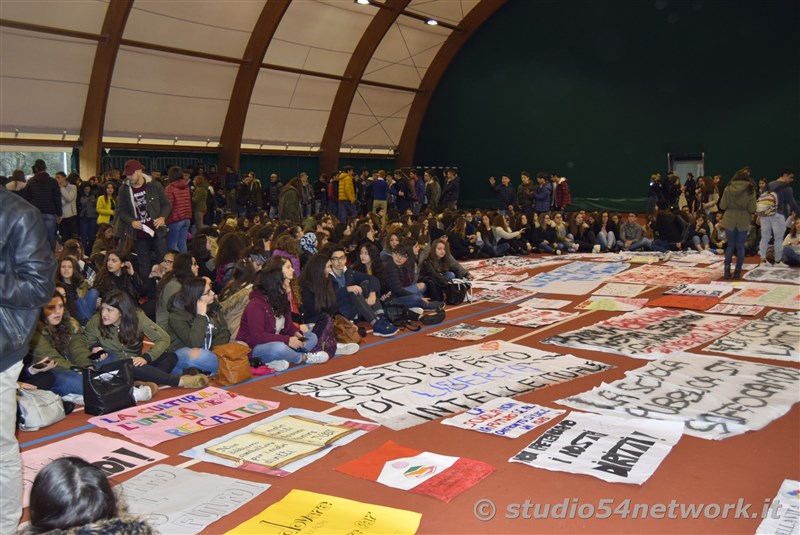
47, 52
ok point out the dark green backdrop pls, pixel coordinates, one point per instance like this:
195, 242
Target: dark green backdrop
600, 91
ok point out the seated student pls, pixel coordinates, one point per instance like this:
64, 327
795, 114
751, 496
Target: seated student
74, 249
461, 244
439, 266
184, 267
358, 294
606, 232
699, 234
563, 235
400, 278
791, 245
104, 240
523, 224
81, 300
117, 332
583, 234
267, 326
56, 347
370, 262
118, 274
503, 234
719, 237
71, 496
317, 291
632, 236
236, 294
488, 240
195, 326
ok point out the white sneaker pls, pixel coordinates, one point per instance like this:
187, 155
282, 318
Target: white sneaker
596, 248
278, 365
346, 349
77, 399
781, 264
316, 357
142, 393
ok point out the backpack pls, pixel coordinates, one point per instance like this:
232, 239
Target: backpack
400, 315
767, 203
457, 291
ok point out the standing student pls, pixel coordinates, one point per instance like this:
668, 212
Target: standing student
739, 203
774, 226
180, 216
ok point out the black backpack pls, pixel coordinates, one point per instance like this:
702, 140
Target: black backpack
456, 291
400, 315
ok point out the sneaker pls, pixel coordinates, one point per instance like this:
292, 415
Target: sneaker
346, 349
596, 249
438, 306
142, 393
382, 327
150, 386
278, 365
781, 264
68, 407
77, 399
558, 251
316, 357
193, 381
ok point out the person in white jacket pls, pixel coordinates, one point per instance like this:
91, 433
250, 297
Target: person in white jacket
68, 222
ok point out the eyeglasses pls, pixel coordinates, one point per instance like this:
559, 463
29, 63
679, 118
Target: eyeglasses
165, 261
338, 258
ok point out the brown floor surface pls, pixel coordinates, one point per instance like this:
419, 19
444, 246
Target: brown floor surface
749, 467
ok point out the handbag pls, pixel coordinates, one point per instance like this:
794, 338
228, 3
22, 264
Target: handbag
109, 389
345, 330
400, 315
38, 408
234, 366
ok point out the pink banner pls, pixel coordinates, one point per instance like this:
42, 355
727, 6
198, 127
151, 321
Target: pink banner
164, 420
111, 455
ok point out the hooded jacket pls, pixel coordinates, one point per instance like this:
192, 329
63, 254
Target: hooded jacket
739, 203
181, 200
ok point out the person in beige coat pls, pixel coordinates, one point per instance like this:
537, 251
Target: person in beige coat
739, 203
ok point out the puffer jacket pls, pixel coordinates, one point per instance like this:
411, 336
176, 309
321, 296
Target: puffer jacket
121, 525
180, 198
28, 266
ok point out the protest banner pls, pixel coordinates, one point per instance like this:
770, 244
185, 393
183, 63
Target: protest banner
179, 501
701, 290
783, 517
282, 443
507, 295
775, 336
541, 303
735, 310
649, 332
420, 472
765, 294
183, 415
412, 391
466, 332
306, 513
780, 274
715, 397
531, 317
504, 417
663, 275
616, 304
615, 289
111, 455
686, 302
611, 448
577, 278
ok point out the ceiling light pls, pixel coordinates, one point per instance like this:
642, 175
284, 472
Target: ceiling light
362, 2
432, 22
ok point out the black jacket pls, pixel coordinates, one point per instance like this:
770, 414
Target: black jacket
27, 275
43, 192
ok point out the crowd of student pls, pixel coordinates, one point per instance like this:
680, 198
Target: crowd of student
170, 274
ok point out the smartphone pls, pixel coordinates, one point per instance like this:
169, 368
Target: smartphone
303, 338
41, 365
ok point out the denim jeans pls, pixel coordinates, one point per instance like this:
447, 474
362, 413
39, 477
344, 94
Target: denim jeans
606, 240
88, 229
644, 243
698, 240
789, 256
50, 224
176, 239
156, 372
736, 241
772, 226
10, 458
87, 305
281, 351
67, 382
206, 361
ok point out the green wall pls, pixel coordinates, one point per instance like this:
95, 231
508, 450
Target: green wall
600, 91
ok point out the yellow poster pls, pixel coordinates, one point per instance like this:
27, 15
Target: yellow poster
302, 512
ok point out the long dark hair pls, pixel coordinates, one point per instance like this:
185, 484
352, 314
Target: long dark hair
270, 283
129, 333
59, 335
243, 274
77, 277
439, 265
181, 271
230, 248
190, 292
376, 262
316, 278
69, 492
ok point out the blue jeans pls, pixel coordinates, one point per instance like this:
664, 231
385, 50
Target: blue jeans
87, 305
736, 241
789, 256
346, 209
206, 361
698, 240
50, 224
281, 351
415, 300
88, 229
176, 239
67, 382
644, 243
774, 225
606, 240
